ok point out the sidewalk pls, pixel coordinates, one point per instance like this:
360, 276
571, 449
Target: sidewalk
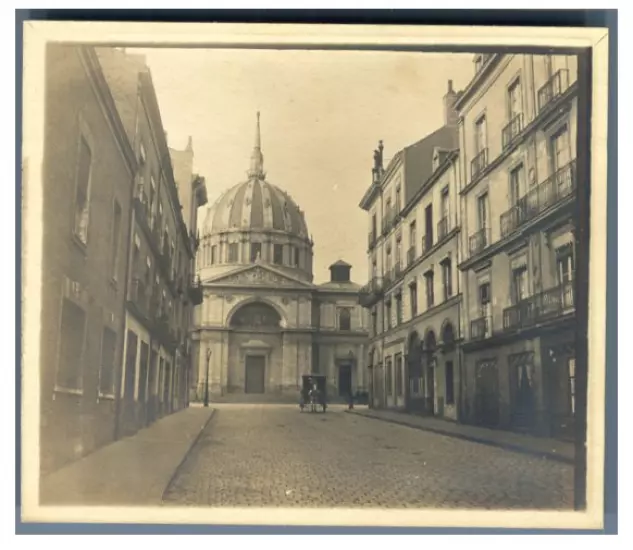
553, 449
133, 471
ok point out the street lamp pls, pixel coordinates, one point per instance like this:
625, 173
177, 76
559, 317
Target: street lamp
206, 382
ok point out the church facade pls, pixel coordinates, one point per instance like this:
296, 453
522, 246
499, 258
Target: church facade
263, 322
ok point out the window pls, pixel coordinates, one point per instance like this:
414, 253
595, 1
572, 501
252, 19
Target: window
388, 266
398, 309
445, 204
374, 322
256, 251
571, 367
517, 184
399, 375
479, 63
519, 284
82, 192
116, 237
560, 149
514, 99
430, 297
484, 299
413, 298
397, 208
447, 279
428, 226
482, 211
295, 256
481, 138
374, 225
152, 195
71, 346
450, 383
233, 250
278, 256
374, 267
389, 373
412, 234
106, 372
214, 249
344, 319
565, 265
398, 251
388, 314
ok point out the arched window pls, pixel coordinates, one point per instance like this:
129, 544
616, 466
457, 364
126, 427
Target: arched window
344, 319
256, 314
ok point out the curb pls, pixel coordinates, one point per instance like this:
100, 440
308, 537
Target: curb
186, 455
474, 439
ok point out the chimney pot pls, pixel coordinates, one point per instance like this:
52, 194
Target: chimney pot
450, 86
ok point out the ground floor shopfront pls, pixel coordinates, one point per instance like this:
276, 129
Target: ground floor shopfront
522, 382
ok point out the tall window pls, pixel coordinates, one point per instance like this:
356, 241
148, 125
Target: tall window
214, 250
565, 264
398, 251
571, 365
430, 296
295, 256
397, 206
445, 205
82, 192
559, 146
152, 195
374, 322
106, 372
413, 235
388, 314
115, 240
399, 375
413, 298
428, 226
447, 279
482, 211
519, 284
450, 383
388, 266
388, 209
514, 99
389, 373
481, 138
398, 309
344, 319
517, 184
278, 254
233, 252
256, 251
374, 226
484, 300
71, 346
374, 267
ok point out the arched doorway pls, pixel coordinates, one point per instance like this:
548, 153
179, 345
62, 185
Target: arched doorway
450, 397
255, 349
430, 348
415, 390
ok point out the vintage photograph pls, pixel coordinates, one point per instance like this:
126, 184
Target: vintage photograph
321, 279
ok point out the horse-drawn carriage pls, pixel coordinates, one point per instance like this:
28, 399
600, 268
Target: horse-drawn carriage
313, 393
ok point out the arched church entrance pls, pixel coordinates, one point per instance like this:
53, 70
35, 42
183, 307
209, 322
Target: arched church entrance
255, 349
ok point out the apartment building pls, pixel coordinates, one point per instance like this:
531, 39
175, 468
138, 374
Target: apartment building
413, 292
518, 128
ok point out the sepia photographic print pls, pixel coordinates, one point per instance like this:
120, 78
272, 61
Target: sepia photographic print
313, 275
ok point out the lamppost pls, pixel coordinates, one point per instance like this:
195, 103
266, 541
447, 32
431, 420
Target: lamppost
206, 382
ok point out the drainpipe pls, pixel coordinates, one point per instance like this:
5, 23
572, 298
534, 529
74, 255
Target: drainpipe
128, 274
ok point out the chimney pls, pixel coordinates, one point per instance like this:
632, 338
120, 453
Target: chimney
190, 144
450, 114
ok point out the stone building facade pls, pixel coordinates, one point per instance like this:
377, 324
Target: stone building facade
263, 322
413, 294
518, 128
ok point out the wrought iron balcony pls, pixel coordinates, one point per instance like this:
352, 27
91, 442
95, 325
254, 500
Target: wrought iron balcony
427, 243
511, 131
371, 239
371, 292
411, 255
479, 241
397, 270
481, 328
479, 162
442, 228
195, 292
555, 87
548, 193
549, 304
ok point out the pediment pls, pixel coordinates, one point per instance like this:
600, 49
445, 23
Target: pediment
258, 275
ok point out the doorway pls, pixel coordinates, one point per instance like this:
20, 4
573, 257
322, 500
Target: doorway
487, 393
430, 380
344, 379
255, 371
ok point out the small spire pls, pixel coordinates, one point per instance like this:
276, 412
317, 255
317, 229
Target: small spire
257, 159
190, 144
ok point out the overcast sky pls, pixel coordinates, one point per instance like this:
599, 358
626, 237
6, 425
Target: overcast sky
322, 114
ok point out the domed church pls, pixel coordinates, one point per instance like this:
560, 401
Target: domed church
263, 322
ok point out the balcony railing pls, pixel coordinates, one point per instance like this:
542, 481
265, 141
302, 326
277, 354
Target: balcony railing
397, 270
411, 255
371, 239
427, 243
387, 221
543, 306
479, 241
442, 228
511, 131
550, 192
478, 163
555, 87
371, 292
481, 328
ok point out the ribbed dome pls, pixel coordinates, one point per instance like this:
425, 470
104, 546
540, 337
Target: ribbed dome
256, 205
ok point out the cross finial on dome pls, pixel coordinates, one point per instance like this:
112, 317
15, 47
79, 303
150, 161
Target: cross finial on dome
257, 159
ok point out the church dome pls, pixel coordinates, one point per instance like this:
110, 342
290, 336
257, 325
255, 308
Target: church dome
256, 205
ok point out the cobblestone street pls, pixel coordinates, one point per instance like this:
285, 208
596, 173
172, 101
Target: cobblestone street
268, 455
